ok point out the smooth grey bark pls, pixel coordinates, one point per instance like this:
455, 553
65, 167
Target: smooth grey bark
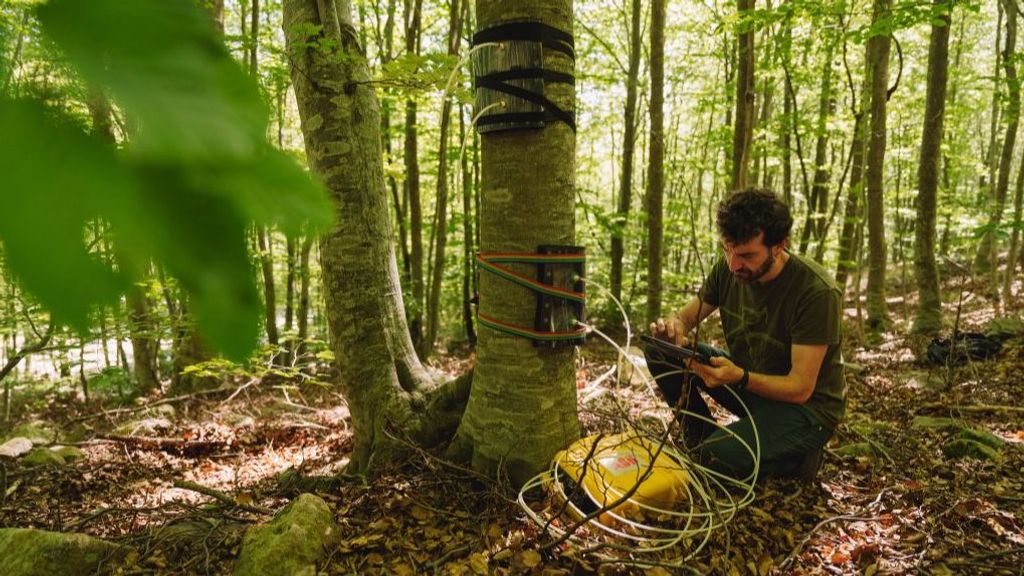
928, 319
743, 131
391, 397
628, 152
878, 58
522, 408
656, 163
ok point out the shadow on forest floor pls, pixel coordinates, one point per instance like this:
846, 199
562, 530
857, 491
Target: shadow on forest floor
888, 499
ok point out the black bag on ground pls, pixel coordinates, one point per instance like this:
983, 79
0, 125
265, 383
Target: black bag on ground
963, 346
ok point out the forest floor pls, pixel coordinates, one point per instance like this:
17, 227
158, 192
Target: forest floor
887, 500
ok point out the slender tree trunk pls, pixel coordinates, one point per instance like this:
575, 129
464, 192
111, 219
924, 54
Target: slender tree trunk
289, 283
1011, 261
628, 152
928, 319
387, 102
413, 10
216, 12
849, 244
441, 220
380, 375
12, 363
468, 244
987, 258
656, 162
818, 201
302, 313
141, 323
745, 91
522, 408
269, 293
878, 56
787, 110
992, 157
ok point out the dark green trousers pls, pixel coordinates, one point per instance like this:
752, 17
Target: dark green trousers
786, 432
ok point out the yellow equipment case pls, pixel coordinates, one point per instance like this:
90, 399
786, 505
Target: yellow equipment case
590, 477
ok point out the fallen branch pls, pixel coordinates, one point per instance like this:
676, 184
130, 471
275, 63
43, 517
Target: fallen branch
221, 496
150, 443
974, 408
845, 517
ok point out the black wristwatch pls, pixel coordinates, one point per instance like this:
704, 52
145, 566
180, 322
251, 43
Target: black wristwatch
741, 384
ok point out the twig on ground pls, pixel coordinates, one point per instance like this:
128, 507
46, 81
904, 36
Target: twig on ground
974, 408
162, 443
218, 495
845, 517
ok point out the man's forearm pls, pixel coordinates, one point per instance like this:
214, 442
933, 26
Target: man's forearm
786, 388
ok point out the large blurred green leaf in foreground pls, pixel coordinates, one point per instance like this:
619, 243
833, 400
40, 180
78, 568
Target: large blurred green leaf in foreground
196, 172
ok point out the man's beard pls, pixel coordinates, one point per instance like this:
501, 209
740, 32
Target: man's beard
747, 276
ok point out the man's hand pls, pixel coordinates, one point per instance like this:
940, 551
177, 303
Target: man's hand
671, 330
721, 371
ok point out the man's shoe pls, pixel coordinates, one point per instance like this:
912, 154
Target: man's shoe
810, 466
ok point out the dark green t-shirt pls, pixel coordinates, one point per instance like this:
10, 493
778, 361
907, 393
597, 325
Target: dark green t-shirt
802, 305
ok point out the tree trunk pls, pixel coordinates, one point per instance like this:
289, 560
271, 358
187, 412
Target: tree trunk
266, 257
818, 200
522, 408
1011, 260
413, 10
878, 58
928, 319
302, 312
992, 156
849, 244
628, 152
656, 162
785, 125
987, 259
745, 90
289, 285
141, 323
441, 220
468, 244
389, 393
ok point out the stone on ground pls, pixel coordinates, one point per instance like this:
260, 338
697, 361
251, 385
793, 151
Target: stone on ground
28, 552
15, 447
294, 543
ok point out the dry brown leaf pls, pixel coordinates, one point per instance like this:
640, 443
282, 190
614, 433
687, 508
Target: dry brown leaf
420, 513
529, 558
402, 570
478, 563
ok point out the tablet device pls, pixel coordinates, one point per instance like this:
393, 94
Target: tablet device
673, 354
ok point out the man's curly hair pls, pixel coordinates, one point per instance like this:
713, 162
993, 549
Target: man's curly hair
746, 212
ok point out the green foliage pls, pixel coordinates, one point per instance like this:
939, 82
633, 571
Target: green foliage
112, 382
196, 172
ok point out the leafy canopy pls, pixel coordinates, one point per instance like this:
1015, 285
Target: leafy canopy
197, 170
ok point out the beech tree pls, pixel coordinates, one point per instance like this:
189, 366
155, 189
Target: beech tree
522, 405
